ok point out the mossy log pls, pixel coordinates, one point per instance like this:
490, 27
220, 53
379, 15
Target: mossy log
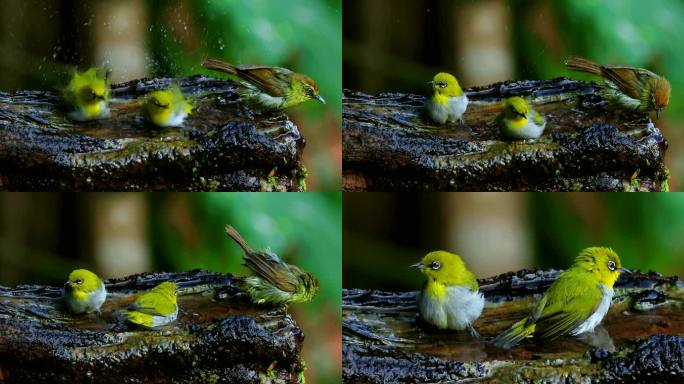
391, 145
219, 337
223, 145
641, 340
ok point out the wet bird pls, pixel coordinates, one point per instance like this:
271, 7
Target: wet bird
156, 307
450, 298
87, 95
84, 292
274, 281
519, 121
574, 304
628, 87
167, 107
448, 102
269, 88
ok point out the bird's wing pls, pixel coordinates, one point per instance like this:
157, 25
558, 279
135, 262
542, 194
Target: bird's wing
569, 302
273, 270
626, 78
149, 304
538, 119
266, 79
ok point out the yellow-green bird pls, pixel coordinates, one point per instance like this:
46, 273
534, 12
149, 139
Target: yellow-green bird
274, 282
628, 87
448, 102
269, 88
155, 308
87, 95
574, 304
167, 108
450, 298
84, 292
519, 121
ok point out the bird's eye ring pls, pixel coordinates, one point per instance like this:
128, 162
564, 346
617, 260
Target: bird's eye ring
442, 84
436, 265
79, 281
611, 265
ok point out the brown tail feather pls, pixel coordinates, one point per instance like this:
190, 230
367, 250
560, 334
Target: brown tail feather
233, 233
219, 65
584, 65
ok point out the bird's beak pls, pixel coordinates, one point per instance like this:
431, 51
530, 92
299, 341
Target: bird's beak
320, 98
625, 270
657, 113
417, 265
67, 285
431, 82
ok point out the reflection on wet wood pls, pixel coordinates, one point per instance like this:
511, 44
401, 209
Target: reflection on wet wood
223, 146
384, 341
389, 143
219, 337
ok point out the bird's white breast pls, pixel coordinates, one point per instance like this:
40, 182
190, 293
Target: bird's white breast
456, 310
596, 317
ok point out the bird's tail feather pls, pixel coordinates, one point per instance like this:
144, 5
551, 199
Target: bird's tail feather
233, 233
514, 335
583, 65
219, 65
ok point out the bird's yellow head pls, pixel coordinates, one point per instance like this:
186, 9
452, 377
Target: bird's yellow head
516, 108
167, 291
81, 282
302, 89
446, 268
162, 105
445, 84
89, 87
602, 262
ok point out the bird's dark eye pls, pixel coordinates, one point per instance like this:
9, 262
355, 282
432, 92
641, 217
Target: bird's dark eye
79, 281
310, 92
611, 265
442, 84
435, 265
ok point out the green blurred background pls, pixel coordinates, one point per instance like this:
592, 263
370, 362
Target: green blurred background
41, 40
44, 236
398, 45
500, 232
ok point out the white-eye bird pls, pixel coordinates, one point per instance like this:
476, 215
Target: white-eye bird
84, 292
519, 121
167, 108
156, 307
574, 304
448, 102
450, 298
87, 95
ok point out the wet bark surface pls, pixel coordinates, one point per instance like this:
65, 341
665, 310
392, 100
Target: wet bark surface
640, 339
390, 144
218, 337
223, 145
